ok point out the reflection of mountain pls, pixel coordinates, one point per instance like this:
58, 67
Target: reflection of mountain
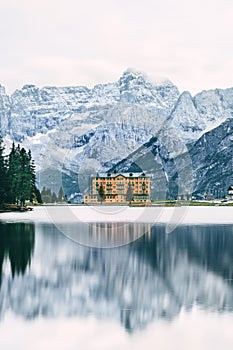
152, 278
16, 244
210, 247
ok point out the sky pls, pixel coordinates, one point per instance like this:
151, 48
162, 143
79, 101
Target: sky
74, 42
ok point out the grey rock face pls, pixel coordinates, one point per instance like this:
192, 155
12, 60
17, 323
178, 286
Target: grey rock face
5, 104
205, 168
212, 159
75, 129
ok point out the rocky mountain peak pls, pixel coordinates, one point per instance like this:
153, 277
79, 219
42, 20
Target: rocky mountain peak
79, 126
137, 87
186, 119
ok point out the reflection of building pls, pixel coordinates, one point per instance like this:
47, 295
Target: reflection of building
107, 234
153, 279
119, 188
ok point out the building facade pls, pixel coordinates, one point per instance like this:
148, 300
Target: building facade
119, 188
230, 192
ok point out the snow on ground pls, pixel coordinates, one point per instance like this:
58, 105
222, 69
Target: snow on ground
172, 216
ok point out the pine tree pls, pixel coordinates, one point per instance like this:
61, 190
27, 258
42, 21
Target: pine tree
21, 174
129, 193
13, 173
32, 170
54, 197
43, 191
38, 196
61, 195
46, 195
101, 193
25, 178
3, 175
17, 176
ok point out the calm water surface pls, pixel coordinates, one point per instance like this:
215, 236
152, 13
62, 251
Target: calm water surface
162, 291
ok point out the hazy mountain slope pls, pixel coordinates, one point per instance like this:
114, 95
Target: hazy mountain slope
207, 167
212, 159
84, 130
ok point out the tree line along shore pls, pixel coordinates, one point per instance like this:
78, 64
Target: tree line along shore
17, 178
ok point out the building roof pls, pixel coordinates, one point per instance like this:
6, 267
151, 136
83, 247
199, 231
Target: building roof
127, 175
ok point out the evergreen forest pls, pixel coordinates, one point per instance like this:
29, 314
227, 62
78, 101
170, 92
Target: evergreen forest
17, 177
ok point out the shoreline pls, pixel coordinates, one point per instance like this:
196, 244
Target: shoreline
182, 215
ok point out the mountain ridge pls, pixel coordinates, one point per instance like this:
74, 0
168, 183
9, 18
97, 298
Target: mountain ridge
79, 129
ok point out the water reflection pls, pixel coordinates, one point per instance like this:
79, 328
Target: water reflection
16, 245
153, 278
104, 234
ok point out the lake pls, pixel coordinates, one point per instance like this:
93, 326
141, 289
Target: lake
162, 290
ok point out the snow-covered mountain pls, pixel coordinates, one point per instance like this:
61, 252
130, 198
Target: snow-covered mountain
206, 167
80, 130
32, 110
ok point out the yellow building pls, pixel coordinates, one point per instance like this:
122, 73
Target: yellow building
119, 188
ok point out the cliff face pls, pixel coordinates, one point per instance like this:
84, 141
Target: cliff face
205, 167
77, 130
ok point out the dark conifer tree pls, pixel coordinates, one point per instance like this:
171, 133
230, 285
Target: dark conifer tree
54, 197
38, 196
43, 191
25, 178
61, 195
17, 176
21, 175
46, 195
13, 173
101, 193
129, 193
3, 175
32, 177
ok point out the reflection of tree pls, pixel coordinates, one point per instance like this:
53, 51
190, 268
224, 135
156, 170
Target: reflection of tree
17, 244
1, 254
153, 278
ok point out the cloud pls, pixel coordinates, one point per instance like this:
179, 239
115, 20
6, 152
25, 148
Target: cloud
75, 42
